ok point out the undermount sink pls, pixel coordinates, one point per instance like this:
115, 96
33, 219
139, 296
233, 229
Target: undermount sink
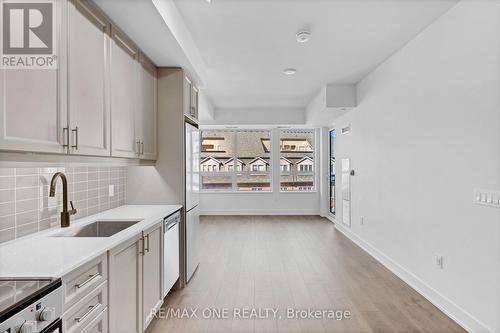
106, 228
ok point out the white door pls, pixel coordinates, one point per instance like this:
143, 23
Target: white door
192, 166
88, 70
192, 242
125, 287
187, 96
32, 103
152, 296
147, 110
124, 74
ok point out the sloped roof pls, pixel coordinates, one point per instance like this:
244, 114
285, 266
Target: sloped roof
231, 159
210, 158
257, 159
286, 159
305, 158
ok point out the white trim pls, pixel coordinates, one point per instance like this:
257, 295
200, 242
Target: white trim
452, 310
260, 212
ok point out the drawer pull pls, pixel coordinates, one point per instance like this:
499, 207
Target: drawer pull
84, 283
91, 309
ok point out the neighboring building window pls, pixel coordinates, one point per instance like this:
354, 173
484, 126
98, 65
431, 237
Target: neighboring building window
213, 144
297, 160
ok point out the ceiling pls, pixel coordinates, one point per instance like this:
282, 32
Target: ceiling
245, 44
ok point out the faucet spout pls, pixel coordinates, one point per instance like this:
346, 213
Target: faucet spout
65, 214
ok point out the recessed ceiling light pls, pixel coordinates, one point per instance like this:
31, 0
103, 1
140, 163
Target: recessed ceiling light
303, 36
289, 71
209, 1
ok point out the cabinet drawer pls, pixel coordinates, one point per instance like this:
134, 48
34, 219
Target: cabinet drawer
83, 280
86, 310
99, 324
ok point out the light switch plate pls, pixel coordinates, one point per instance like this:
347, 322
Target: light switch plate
111, 190
487, 197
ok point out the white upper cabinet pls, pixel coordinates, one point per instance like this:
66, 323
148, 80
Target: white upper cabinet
32, 108
190, 99
146, 125
123, 96
89, 120
100, 100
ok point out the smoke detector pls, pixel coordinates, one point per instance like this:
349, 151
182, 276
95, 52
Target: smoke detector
303, 36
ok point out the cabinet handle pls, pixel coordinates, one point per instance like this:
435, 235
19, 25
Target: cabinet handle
142, 251
84, 283
142, 147
75, 130
147, 247
138, 143
91, 309
65, 137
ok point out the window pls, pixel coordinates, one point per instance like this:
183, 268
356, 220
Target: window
242, 160
213, 143
255, 175
297, 160
214, 170
237, 160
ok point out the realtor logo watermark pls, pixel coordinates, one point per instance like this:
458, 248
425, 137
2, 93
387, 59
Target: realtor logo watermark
28, 35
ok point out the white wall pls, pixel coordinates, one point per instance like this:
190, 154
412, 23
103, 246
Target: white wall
256, 116
425, 134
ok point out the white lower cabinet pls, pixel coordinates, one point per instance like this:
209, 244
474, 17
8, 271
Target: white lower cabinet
135, 276
122, 289
125, 280
152, 274
85, 293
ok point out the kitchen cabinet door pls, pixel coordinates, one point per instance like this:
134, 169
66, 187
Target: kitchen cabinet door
32, 109
123, 96
147, 110
152, 273
187, 96
125, 286
194, 102
88, 69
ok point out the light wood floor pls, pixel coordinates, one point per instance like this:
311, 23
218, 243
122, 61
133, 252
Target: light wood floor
295, 262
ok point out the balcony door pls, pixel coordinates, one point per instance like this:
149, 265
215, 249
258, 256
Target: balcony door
332, 171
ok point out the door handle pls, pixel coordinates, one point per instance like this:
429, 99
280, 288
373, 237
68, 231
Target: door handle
66, 137
138, 143
147, 242
84, 283
75, 130
142, 250
91, 309
142, 147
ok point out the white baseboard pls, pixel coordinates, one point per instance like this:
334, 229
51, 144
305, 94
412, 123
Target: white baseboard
260, 212
452, 310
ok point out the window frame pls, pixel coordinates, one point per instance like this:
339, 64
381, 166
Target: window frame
315, 161
274, 169
236, 170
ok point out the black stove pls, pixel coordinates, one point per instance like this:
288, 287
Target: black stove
30, 305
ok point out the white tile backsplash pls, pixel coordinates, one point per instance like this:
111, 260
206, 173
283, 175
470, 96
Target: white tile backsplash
25, 205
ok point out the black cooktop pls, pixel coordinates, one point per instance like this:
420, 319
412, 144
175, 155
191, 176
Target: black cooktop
16, 292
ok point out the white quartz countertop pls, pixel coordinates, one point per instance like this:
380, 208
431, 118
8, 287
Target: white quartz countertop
42, 256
